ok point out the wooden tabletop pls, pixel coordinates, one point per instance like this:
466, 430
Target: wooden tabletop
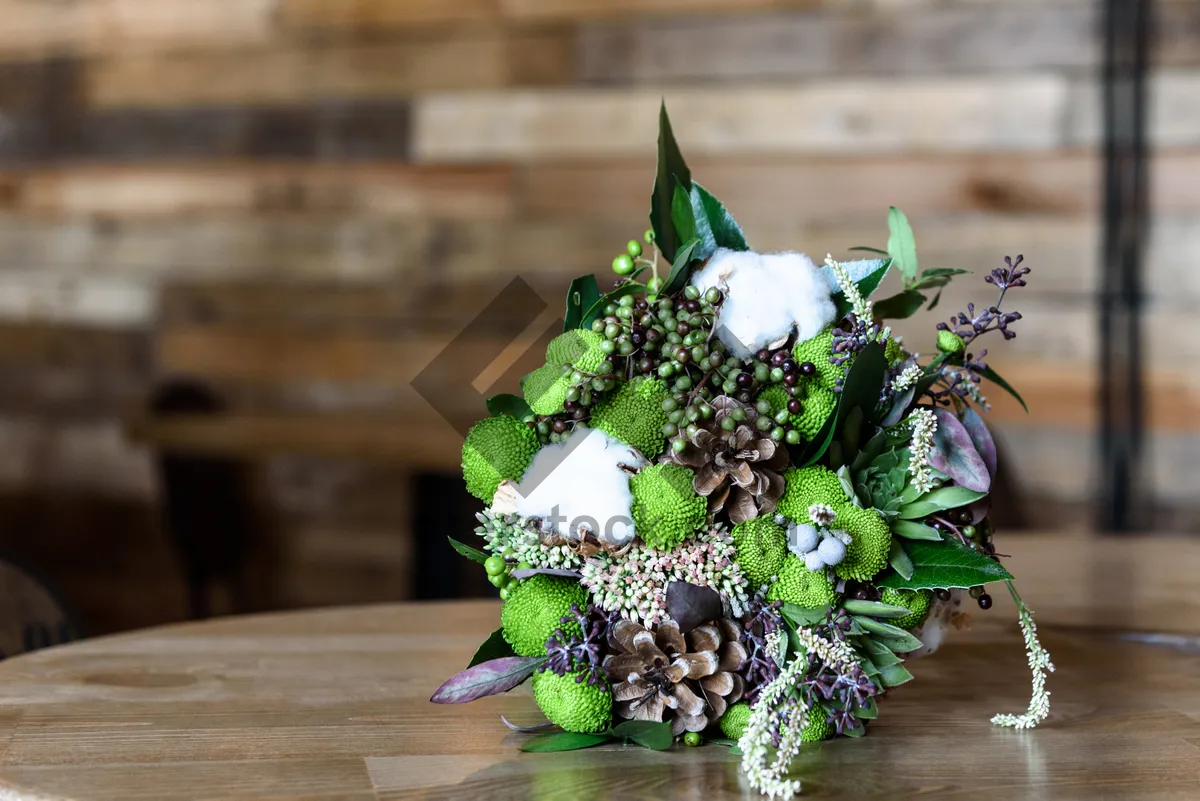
333, 704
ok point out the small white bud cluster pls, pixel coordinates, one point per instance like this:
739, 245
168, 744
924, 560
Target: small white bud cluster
862, 308
908, 376
924, 426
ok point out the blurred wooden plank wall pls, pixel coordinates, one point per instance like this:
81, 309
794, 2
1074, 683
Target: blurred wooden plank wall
304, 200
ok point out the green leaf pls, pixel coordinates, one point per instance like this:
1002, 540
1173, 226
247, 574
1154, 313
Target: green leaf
494, 647
933, 303
866, 274
868, 249
994, 377
686, 226
900, 306
582, 293
563, 741
939, 500
945, 565
856, 732
802, 617
894, 675
915, 531
630, 287
724, 229
646, 733
672, 171
874, 626
474, 554
900, 645
861, 389
869, 712
937, 272
681, 269
512, 405
898, 559
874, 608
880, 654
902, 246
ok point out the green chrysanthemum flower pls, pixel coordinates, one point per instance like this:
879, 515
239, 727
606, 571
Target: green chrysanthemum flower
818, 404
808, 589
761, 548
870, 542
571, 702
666, 510
893, 352
733, 722
818, 350
817, 728
634, 415
778, 397
535, 608
545, 389
496, 448
806, 486
579, 348
916, 601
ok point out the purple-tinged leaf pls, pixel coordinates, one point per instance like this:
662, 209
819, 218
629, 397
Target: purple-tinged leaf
982, 438
487, 678
690, 605
527, 729
955, 455
544, 571
899, 407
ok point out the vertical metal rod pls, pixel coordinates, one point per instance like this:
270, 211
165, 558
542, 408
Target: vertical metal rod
1120, 503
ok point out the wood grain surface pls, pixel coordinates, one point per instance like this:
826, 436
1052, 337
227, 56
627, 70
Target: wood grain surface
333, 704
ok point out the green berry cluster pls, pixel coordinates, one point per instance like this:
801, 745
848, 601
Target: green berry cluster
499, 571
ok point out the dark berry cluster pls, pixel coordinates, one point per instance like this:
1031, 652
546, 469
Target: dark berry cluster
977, 537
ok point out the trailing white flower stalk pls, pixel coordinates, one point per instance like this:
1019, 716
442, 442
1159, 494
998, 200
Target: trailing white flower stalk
924, 425
907, 378
635, 585
1039, 666
767, 718
862, 308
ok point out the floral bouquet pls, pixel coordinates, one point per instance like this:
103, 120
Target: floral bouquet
732, 504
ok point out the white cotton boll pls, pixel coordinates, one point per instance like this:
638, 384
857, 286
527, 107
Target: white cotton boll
802, 539
813, 561
832, 551
581, 481
767, 296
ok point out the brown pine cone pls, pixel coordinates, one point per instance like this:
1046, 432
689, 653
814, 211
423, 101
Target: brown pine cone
739, 471
663, 675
